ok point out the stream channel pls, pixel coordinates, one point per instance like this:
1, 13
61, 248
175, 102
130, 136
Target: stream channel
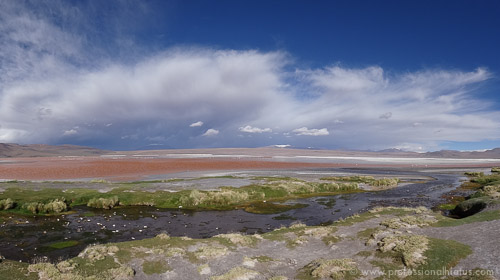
30, 238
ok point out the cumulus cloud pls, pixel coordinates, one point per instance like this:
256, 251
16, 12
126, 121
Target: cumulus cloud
211, 132
196, 124
50, 78
251, 129
311, 132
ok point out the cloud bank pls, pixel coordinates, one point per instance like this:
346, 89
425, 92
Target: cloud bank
53, 91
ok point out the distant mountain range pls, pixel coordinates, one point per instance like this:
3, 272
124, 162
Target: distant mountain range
41, 150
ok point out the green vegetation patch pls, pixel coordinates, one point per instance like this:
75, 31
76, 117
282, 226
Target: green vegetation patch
55, 206
104, 203
16, 270
408, 221
64, 244
39, 198
237, 239
94, 268
409, 248
6, 204
284, 217
272, 208
474, 174
263, 259
493, 179
330, 268
447, 206
441, 254
479, 217
155, 267
471, 206
383, 182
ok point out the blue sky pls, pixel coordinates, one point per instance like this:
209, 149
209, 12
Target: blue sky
415, 75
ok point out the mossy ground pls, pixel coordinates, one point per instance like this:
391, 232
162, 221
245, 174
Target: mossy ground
247, 256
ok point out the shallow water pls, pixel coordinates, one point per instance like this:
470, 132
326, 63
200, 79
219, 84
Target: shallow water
31, 237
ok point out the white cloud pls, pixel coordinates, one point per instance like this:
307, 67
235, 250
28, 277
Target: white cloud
211, 132
70, 132
196, 124
250, 129
311, 132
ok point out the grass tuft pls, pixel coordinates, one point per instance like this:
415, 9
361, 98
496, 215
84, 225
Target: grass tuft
6, 204
104, 203
332, 268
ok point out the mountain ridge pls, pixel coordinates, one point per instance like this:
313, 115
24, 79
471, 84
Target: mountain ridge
10, 150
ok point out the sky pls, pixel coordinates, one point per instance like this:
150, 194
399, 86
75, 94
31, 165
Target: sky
359, 75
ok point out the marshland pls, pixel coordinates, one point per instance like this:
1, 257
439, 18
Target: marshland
201, 226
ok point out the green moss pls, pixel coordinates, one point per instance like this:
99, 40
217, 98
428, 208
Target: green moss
443, 254
210, 252
410, 248
474, 174
236, 239
440, 254
479, 217
96, 268
284, 217
124, 255
471, 206
493, 179
383, 182
263, 259
16, 270
447, 206
155, 267
271, 208
64, 244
